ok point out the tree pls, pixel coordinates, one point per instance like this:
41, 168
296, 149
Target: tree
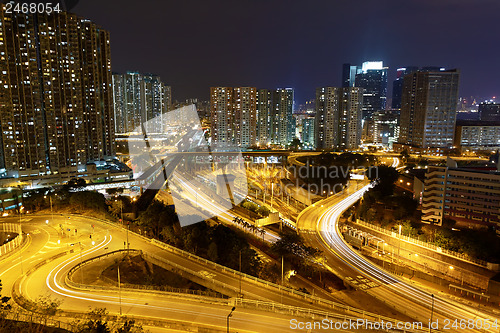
295, 144
75, 183
130, 327
4, 301
96, 322
157, 216
387, 177
88, 200
213, 252
263, 211
404, 154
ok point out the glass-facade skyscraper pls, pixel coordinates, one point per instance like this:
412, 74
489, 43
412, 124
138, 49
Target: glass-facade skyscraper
372, 78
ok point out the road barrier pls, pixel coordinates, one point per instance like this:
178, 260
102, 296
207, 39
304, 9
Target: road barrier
354, 312
14, 243
167, 291
456, 255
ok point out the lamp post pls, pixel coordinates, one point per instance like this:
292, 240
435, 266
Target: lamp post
282, 268
20, 235
399, 248
228, 316
120, 290
240, 274
272, 194
81, 262
432, 312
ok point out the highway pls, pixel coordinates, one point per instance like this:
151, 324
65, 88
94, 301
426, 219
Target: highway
49, 279
319, 226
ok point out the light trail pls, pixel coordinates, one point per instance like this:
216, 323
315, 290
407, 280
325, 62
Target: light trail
329, 232
212, 206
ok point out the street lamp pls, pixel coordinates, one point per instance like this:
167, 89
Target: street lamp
228, 316
432, 312
51, 211
20, 235
399, 248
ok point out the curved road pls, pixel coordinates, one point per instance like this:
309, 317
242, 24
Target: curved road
318, 224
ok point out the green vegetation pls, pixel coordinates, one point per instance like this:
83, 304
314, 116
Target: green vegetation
4, 301
327, 171
263, 211
65, 200
292, 248
480, 244
382, 207
295, 144
217, 243
98, 322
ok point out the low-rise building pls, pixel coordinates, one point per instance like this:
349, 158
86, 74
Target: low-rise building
470, 197
477, 135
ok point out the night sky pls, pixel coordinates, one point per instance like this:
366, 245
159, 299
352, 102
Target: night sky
194, 45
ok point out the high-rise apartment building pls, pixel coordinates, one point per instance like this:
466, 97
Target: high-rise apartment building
282, 120
327, 117
221, 115
139, 98
338, 117
245, 116
350, 122
308, 133
233, 116
428, 109
56, 111
264, 108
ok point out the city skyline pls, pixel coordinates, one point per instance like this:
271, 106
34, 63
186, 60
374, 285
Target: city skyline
309, 55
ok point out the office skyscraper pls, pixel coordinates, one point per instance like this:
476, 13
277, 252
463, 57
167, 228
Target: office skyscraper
428, 108
372, 78
138, 98
338, 117
349, 75
397, 85
56, 111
